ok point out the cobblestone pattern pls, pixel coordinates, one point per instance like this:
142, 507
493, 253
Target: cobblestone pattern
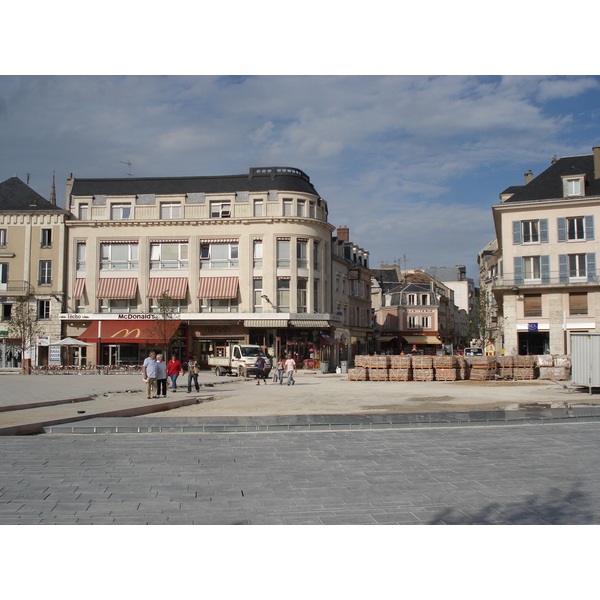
507, 475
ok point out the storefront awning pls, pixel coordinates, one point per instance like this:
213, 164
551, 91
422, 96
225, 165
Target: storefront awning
422, 339
218, 288
387, 338
117, 288
270, 323
174, 287
327, 340
130, 332
79, 287
309, 323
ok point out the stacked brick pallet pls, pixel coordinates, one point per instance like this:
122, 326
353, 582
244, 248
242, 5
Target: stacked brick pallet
401, 368
379, 367
483, 368
446, 368
463, 367
524, 368
360, 372
554, 368
423, 368
506, 367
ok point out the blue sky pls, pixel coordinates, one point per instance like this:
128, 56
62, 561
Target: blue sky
411, 163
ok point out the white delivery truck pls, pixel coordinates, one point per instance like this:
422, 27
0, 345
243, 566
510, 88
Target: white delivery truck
238, 359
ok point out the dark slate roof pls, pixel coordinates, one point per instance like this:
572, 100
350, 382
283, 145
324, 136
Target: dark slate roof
548, 184
258, 179
388, 278
18, 196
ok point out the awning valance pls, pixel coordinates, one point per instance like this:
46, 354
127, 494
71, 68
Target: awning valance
309, 323
148, 331
117, 289
422, 339
269, 323
387, 338
218, 288
79, 287
175, 287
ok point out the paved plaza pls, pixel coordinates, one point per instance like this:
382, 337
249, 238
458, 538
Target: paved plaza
511, 474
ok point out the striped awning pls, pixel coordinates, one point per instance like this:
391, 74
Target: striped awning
79, 287
309, 323
174, 287
422, 339
270, 323
218, 288
117, 288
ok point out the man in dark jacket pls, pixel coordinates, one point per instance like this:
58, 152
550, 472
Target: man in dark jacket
260, 370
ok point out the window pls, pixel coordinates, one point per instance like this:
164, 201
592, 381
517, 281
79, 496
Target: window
531, 267
573, 187
80, 258
283, 295
311, 210
118, 256
6, 312
257, 290
316, 296
302, 295
3, 277
80, 305
302, 254
169, 255
578, 303
426, 322
43, 311
316, 258
83, 212
531, 231
413, 322
532, 305
179, 305
301, 208
118, 306
219, 255
411, 299
425, 299
45, 274
224, 305
2, 238
387, 323
46, 238
220, 209
575, 228
258, 208
287, 207
120, 211
283, 253
577, 265
258, 254
170, 210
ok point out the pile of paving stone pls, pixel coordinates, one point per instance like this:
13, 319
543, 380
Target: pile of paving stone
483, 368
554, 367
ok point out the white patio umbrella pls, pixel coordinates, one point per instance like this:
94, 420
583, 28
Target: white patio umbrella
69, 342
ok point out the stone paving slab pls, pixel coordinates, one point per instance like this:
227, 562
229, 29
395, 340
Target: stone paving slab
515, 475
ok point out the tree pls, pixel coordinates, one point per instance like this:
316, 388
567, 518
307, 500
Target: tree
483, 320
24, 326
161, 328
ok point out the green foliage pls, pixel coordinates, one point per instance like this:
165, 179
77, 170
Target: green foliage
160, 329
24, 325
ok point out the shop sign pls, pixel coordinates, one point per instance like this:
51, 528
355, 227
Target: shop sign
43, 340
532, 326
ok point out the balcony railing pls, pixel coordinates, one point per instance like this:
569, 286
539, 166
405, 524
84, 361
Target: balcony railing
553, 279
16, 287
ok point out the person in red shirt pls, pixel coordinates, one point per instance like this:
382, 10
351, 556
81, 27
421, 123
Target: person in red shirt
174, 369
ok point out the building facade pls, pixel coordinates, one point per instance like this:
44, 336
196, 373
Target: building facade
243, 258
32, 249
547, 284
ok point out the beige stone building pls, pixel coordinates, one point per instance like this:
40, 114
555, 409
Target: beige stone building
32, 247
246, 258
546, 281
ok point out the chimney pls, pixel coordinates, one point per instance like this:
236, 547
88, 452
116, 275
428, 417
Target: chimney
343, 234
554, 160
53, 189
528, 176
596, 150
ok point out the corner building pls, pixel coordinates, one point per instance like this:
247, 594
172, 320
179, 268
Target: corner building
246, 258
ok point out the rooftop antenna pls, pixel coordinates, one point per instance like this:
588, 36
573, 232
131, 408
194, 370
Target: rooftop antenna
27, 178
126, 162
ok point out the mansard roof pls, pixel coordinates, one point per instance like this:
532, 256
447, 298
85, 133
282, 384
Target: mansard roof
258, 179
18, 196
548, 185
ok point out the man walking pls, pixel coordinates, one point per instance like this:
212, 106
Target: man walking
290, 367
149, 372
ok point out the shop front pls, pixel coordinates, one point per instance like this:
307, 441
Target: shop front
211, 339
421, 344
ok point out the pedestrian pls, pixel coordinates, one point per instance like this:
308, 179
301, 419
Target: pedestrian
193, 370
260, 370
149, 372
161, 376
290, 367
174, 369
280, 369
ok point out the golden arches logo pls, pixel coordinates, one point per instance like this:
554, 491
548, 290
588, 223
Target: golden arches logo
128, 333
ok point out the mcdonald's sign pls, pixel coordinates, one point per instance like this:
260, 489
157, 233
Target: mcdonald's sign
127, 333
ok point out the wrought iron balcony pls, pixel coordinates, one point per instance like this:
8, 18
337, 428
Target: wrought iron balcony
15, 287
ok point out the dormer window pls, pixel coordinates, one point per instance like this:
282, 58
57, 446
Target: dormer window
573, 185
